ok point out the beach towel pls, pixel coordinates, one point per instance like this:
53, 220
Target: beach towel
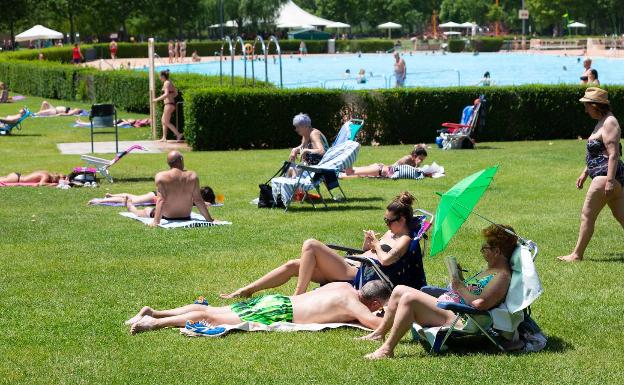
88, 125
14, 184
117, 204
406, 171
196, 221
82, 113
247, 326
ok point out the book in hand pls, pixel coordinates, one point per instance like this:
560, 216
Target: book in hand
451, 266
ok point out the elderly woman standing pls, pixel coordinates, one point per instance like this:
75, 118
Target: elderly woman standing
313, 142
603, 166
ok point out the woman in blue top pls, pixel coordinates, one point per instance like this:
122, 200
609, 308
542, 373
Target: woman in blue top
483, 291
605, 168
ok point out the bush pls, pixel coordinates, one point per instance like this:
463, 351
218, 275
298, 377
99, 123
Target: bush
48, 80
369, 45
487, 44
392, 116
456, 45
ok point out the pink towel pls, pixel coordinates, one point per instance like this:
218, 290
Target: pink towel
12, 184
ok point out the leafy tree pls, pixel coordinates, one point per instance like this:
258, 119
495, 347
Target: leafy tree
12, 12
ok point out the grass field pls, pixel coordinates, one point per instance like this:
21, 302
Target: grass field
71, 274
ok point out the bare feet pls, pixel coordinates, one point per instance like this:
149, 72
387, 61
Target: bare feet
143, 312
146, 323
163, 140
570, 258
371, 337
93, 201
240, 293
180, 138
379, 354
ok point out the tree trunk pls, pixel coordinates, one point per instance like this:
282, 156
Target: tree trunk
71, 23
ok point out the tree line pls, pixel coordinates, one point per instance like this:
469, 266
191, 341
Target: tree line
191, 19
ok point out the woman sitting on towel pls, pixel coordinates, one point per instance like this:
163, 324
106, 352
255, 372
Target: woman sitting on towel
483, 291
415, 159
49, 110
43, 178
321, 264
149, 198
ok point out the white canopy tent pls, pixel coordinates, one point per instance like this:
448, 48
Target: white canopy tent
450, 24
576, 25
389, 26
337, 24
229, 24
291, 15
38, 32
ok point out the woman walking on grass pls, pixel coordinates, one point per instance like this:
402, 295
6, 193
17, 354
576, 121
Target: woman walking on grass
169, 96
605, 168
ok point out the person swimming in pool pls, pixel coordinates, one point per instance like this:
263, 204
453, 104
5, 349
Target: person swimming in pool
334, 302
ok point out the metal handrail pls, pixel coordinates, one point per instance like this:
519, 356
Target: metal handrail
229, 41
389, 83
240, 40
253, 55
279, 54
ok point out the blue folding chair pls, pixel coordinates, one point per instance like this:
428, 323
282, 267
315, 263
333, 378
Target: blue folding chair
6, 127
410, 265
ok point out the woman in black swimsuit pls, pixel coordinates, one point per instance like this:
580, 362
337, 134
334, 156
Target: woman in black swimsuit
605, 168
169, 96
321, 264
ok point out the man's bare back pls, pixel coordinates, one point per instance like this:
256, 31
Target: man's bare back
178, 190
334, 302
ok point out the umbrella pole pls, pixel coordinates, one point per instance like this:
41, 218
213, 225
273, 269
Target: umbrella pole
494, 223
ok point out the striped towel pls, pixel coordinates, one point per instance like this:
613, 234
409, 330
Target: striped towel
406, 171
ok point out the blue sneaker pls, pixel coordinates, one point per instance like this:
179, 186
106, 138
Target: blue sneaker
202, 327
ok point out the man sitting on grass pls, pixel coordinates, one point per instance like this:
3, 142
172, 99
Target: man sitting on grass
334, 302
178, 189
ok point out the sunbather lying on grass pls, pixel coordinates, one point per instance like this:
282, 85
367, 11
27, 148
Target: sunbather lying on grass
335, 302
414, 159
149, 198
43, 178
49, 110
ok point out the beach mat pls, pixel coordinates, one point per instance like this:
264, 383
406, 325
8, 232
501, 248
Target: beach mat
113, 204
247, 326
196, 221
17, 184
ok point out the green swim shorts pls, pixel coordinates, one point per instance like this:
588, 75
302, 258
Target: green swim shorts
266, 309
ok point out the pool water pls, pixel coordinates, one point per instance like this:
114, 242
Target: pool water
423, 69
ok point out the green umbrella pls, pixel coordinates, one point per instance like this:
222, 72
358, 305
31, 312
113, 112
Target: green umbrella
456, 205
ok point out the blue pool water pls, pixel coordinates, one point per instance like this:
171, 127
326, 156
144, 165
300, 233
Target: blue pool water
424, 69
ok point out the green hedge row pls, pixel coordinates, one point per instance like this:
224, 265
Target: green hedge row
369, 45
456, 45
487, 44
231, 119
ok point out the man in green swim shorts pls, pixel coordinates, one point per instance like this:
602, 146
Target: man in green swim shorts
334, 302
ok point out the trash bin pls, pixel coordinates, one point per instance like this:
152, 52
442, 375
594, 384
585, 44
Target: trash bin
331, 46
90, 54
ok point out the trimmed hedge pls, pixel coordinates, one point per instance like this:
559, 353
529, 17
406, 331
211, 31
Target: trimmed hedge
456, 45
259, 118
487, 44
369, 45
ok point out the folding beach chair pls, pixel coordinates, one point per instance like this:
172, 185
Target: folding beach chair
348, 131
461, 135
102, 116
410, 264
336, 159
6, 127
499, 324
102, 165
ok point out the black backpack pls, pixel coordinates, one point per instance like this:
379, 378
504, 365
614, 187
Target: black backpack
265, 198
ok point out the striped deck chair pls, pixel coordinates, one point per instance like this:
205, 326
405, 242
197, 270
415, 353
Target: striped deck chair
336, 159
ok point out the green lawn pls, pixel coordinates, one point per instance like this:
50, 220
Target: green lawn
71, 274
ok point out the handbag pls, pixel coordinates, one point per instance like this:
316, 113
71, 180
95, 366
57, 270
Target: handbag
265, 197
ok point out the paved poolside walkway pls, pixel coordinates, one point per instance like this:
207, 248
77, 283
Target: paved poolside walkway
151, 146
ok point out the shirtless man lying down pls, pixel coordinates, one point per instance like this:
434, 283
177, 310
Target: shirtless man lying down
334, 302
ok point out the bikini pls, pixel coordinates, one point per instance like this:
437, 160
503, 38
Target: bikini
598, 162
18, 176
475, 286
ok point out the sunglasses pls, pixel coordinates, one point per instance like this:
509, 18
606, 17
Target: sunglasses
486, 247
388, 221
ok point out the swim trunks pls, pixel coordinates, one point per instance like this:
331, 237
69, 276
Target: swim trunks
265, 309
151, 214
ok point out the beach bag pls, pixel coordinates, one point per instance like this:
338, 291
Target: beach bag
82, 175
265, 197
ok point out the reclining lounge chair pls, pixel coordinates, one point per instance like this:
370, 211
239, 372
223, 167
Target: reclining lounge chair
500, 324
461, 135
7, 126
336, 159
102, 165
370, 269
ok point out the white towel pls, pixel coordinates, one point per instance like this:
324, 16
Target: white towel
275, 327
196, 221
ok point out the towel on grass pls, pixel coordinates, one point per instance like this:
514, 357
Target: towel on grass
196, 221
13, 184
275, 327
406, 171
82, 113
116, 204
88, 125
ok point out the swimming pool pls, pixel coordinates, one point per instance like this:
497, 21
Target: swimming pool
424, 69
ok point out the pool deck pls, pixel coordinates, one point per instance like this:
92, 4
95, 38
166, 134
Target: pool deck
143, 62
